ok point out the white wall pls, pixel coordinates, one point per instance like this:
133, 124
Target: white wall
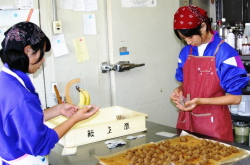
149, 36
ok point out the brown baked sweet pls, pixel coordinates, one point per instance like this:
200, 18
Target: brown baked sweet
186, 150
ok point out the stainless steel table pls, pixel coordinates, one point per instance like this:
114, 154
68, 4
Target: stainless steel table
85, 153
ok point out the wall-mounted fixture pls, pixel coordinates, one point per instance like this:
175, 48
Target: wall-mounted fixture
57, 25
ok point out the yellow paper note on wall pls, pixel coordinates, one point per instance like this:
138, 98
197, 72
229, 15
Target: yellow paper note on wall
81, 50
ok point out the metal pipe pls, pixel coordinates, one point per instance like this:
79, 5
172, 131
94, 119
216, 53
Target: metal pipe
111, 51
54, 10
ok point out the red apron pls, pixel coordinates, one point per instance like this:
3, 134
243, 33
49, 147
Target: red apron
201, 81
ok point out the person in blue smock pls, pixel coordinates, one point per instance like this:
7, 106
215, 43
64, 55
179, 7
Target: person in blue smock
211, 76
25, 139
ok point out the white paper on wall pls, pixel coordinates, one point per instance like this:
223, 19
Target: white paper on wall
139, 3
58, 45
89, 24
11, 17
78, 5
91, 5
25, 4
67, 4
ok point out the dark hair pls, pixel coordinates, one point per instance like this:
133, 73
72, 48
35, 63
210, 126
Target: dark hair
191, 32
19, 60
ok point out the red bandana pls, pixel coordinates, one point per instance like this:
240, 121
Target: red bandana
189, 17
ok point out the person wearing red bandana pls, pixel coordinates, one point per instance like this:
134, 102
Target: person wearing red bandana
211, 76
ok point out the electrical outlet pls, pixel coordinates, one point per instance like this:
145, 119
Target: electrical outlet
57, 27
52, 87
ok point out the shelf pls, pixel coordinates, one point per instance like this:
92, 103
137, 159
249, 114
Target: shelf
242, 118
